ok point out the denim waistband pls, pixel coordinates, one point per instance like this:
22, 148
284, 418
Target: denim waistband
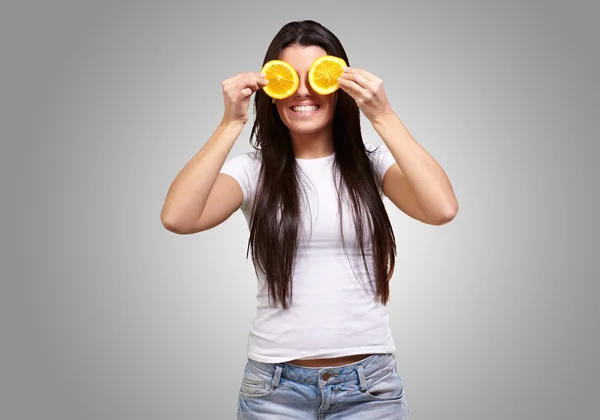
352, 372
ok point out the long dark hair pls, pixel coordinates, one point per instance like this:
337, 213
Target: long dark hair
275, 216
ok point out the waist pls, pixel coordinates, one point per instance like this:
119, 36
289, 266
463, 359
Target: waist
329, 362
374, 366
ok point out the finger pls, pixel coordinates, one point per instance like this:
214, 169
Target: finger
254, 81
244, 94
233, 79
244, 85
369, 76
257, 84
236, 90
352, 87
240, 78
248, 76
256, 75
253, 86
360, 80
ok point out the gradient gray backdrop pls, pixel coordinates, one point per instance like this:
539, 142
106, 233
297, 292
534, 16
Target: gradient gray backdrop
106, 315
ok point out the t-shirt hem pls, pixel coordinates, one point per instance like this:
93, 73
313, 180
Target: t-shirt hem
320, 355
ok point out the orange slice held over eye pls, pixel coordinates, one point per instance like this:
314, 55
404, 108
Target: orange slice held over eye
283, 79
324, 72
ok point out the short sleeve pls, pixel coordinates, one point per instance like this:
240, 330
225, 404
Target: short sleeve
243, 168
382, 159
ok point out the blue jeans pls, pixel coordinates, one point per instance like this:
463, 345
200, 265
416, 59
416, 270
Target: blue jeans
368, 389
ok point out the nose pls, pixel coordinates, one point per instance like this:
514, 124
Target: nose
303, 87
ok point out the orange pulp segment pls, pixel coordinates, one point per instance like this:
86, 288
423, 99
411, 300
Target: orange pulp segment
283, 79
324, 72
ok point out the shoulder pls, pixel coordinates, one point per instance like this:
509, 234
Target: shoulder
244, 168
375, 148
381, 158
380, 155
250, 157
248, 161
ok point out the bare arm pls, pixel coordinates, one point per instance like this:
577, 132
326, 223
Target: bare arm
189, 190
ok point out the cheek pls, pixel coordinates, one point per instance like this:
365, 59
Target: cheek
331, 106
281, 110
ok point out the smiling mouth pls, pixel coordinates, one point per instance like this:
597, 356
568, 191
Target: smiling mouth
305, 109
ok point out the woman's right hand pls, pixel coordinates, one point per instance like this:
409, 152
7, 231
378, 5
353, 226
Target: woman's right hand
236, 95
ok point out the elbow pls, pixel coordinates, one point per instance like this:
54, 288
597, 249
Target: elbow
168, 224
443, 216
171, 225
448, 215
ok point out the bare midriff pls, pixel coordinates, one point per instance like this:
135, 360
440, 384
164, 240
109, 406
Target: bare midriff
333, 361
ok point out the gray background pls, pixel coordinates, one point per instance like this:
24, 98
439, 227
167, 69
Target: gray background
104, 314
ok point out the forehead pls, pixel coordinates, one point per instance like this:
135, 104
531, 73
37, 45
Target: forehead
301, 58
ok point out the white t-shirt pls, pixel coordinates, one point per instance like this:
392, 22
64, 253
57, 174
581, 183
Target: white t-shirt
331, 314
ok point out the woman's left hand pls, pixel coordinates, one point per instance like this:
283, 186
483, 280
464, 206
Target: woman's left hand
367, 91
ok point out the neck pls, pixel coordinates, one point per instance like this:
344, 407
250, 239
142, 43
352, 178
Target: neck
312, 145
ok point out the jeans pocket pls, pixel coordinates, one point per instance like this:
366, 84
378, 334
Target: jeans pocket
386, 387
255, 383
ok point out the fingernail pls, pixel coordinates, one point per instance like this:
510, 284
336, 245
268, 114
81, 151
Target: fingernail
263, 74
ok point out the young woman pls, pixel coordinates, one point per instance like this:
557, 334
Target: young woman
322, 244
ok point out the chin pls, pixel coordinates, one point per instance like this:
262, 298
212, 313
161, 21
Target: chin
306, 130
304, 127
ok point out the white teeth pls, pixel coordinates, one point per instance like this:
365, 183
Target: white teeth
305, 108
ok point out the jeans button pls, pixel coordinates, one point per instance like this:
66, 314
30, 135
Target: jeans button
326, 376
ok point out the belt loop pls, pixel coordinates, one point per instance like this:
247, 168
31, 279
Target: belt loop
276, 376
361, 378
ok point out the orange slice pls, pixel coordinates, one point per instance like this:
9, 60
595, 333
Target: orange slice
324, 72
283, 79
